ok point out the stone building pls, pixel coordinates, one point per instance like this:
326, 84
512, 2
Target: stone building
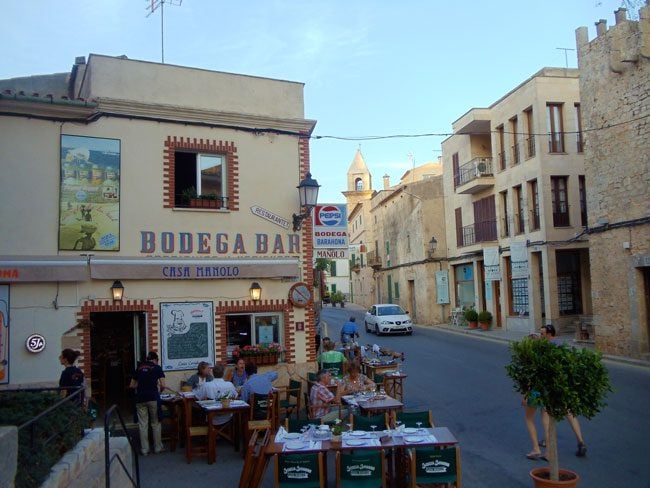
615, 89
408, 219
141, 208
514, 185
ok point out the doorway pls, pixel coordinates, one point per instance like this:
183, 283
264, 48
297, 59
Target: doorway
117, 343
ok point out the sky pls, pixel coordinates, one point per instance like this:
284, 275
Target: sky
370, 67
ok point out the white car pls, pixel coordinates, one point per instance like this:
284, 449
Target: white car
386, 318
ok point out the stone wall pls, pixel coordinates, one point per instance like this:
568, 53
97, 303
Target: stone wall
614, 81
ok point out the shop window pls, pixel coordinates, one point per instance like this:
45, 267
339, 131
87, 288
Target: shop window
253, 329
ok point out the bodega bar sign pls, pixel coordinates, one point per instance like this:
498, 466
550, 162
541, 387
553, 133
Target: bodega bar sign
332, 253
192, 269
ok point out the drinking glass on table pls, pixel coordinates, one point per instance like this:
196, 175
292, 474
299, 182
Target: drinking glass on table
373, 427
419, 424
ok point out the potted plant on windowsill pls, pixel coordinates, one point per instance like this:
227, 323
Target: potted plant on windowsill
485, 319
472, 318
193, 200
565, 380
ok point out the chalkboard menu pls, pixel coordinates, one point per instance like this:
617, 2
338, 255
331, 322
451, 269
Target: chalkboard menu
187, 332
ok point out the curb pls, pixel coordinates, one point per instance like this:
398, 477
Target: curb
479, 335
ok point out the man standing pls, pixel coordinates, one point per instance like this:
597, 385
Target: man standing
217, 389
321, 398
349, 331
148, 380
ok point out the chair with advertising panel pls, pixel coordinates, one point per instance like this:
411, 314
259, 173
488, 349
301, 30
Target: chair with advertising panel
359, 422
435, 466
291, 402
335, 368
296, 425
170, 425
411, 419
263, 412
194, 429
304, 470
361, 469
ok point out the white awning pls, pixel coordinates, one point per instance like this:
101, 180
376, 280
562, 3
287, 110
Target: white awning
43, 268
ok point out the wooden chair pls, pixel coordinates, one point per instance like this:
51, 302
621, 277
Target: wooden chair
170, 425
410, 419
263, 412
248, 470
291, 402
361, 469
358, 422
310, 465
194, 429
435, 466
262, 461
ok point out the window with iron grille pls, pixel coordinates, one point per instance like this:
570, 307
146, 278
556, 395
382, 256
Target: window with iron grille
530, 133
519, 288
559, 201
514, 129
519, 209
568, 282
534, 200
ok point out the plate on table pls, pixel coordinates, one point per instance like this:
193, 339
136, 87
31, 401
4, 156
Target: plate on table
166, 397
292, 436
355, 442
295, 446
358, 433
414, 439
410, 430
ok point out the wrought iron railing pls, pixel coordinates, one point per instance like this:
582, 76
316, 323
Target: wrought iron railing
108, 459
530, 146
483, 231
476, 168
200, 201
515, 154
502, 160
535, 220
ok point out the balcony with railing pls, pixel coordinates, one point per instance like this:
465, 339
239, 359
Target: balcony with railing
485, 231
475, 176
501, 157
530, 146
518, 219
515, 154
374, 260
534, 220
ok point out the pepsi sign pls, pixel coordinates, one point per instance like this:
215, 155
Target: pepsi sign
331, 226
330, 216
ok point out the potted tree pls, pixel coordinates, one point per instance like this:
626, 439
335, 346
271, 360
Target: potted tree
484, 319
472, 318
565, 380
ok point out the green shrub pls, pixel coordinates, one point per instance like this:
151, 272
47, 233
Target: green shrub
485, 316
471, 315
53, 435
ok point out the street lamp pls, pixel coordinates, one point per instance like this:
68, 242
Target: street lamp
117, 290
308, 193
433, 244
255, 291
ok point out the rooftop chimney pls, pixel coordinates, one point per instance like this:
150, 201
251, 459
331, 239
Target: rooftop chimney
386, 182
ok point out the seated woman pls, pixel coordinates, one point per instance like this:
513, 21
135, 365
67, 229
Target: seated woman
202, 375
355, 381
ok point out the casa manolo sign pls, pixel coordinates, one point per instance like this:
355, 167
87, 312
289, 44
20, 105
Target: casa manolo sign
491, 263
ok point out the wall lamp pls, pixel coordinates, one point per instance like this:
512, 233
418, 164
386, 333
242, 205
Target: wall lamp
117, 290
433, 245
308, 192
255, 291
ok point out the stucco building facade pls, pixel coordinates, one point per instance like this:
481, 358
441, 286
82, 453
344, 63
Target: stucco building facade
614, 86
514, 186
103, 172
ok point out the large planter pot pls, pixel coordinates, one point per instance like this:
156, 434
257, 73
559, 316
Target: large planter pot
568, 479
473, 325
484, 325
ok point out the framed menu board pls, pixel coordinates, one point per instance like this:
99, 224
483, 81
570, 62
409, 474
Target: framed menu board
187, 333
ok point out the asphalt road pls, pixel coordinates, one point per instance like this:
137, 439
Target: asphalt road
462, 380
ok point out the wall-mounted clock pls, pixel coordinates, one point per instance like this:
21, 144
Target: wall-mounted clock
299, 295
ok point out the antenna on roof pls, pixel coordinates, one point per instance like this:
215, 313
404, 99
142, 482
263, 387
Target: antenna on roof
566, 58
152, 6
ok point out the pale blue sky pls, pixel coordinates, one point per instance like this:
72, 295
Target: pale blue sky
369, 67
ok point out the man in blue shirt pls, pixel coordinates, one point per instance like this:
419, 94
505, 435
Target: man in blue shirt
148, 380
349, 331
260, 384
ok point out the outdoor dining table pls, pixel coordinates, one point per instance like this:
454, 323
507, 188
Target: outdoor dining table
373, 404
372, 367
390, 440
238, 408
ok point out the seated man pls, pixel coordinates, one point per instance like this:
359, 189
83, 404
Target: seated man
321, 398
217, 389
332, 358
260, 384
